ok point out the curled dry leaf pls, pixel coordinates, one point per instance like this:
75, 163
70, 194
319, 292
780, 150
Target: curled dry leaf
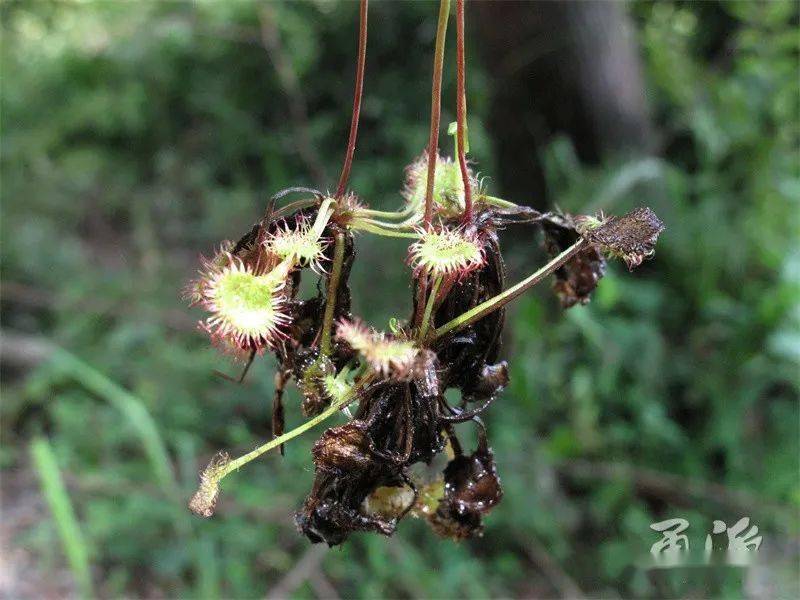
631, 237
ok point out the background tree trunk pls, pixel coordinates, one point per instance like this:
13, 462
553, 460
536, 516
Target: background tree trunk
560, 68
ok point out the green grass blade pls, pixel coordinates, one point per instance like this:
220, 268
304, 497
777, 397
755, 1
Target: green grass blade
134, 411
55, 493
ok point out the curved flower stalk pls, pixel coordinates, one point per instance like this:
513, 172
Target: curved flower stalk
447, 198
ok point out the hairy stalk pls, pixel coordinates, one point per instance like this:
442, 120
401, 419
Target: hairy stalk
461, 109
426, 318
492, 304
333, 290
436, 107
360, 64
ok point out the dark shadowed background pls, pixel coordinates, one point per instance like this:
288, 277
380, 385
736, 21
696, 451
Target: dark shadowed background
137, 135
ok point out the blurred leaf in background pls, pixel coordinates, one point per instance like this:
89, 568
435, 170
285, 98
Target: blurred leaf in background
135, 136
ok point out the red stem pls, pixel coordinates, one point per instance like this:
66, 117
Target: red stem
461, 109
360, 64
436, 108
433, 141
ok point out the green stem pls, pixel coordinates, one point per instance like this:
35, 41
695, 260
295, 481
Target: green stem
386, 214
484, 308
436, 107
369, 226
238, 463
426, 318
235, 465
499, 202
403, 225
333, 289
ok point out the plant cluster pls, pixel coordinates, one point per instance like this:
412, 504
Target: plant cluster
394, 380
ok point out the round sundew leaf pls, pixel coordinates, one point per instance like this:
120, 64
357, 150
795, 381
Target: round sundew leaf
445, 252
247, 309
385, 354
247, 301
300, 245
448, 185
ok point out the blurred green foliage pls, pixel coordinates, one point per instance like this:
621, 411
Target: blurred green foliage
136, 135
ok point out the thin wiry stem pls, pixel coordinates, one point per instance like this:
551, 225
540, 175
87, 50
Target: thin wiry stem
407, 225
492, 304
461, 110
436, 107
433, 140
360, 64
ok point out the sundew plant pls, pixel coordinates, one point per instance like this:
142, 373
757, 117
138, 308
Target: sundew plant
398, 454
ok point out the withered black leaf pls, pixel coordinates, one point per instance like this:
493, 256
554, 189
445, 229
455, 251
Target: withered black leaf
471, 489
492, 380
463, 356
577, 278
